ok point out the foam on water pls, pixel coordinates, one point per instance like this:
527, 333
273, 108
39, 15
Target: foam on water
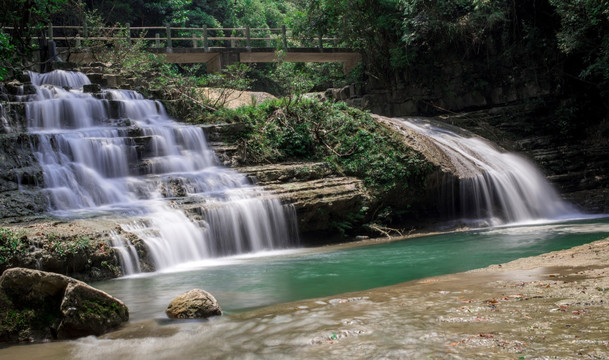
117, 151
495, 187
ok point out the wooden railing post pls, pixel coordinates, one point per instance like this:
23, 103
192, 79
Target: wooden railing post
205, 43
247, 38
85, 30
320, 44
169, 44
157, 40
50, 31
284, 35
128, 33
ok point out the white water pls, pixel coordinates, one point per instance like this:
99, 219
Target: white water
495, 187
127, 253
122, 153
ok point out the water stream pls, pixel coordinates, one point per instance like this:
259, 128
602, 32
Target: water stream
120, 153
383, 326
207, 227
245, 282
494, 187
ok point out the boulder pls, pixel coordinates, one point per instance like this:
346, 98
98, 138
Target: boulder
88, 311
194, 304
37, 305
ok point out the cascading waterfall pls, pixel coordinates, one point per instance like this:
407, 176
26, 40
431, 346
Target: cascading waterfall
119, 152
494, 187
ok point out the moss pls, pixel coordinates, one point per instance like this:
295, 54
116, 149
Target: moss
92, 307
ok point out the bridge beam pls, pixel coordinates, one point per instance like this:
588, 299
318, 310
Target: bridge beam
348, 59
219, 58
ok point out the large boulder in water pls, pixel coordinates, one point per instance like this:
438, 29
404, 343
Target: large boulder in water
194, 304
37, 305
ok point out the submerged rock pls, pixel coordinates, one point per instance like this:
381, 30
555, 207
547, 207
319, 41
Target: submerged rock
194, 304
37, 305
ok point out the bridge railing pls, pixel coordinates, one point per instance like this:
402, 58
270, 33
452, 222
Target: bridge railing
193, 37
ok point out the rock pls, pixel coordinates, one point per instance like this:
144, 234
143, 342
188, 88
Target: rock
88, 311
321, 203
37, 305
91, 88
194, 304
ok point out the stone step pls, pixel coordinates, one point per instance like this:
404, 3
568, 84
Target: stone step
321, 203
286, 173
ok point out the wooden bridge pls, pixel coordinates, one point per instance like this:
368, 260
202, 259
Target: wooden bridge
215, 47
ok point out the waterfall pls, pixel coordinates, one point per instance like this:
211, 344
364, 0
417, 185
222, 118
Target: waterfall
117, 152
494, 187
127, 253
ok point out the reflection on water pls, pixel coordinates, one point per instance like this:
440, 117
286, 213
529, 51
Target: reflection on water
393, 322
244, 283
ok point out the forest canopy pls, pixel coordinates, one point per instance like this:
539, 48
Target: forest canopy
571, 37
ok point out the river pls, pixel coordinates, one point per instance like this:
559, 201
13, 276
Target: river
257, 294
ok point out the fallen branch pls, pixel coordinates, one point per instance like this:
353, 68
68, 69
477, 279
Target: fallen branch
384, 230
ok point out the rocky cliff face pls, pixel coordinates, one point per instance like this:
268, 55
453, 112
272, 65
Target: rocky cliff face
20, 173
514, 115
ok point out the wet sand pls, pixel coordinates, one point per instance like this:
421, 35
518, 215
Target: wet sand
544, 307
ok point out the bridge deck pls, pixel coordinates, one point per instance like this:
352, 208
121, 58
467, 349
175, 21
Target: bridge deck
217, 58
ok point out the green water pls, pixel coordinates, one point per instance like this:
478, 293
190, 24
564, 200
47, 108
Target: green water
244, 283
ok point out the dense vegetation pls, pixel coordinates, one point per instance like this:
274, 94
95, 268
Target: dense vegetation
350, 141
561, 42
346, 138
403, 40
564, 42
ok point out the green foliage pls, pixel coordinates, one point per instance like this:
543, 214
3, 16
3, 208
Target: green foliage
373, 27
350, 221
119, 51
69, 247
196, 13
7, 56
294, 83
346, 138
11, 244
100, 309
584, 38
27, 20
175, 11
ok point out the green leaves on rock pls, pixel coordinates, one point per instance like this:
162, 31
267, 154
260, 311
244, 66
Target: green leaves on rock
348, 139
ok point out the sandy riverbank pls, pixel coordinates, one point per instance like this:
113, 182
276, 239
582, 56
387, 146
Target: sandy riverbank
550, 306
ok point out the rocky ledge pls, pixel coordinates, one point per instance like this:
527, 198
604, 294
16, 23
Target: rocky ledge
321, 199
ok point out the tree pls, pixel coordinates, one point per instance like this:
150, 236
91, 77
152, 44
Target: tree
584, 38
373, 27
29, 19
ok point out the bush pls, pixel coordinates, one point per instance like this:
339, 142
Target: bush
11, 244
346, 138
